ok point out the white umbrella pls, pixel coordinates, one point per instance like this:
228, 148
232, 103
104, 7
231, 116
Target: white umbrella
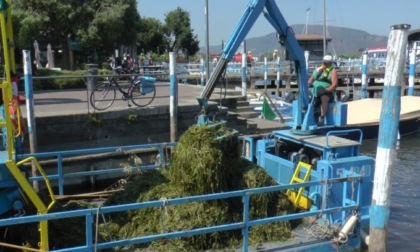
37, 55
50, 57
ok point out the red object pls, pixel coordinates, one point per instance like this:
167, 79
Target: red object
237, 57
14, 112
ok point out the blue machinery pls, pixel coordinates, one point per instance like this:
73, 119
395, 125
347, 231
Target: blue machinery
324, 175
339, 190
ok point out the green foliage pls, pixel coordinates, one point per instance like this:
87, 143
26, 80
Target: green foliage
57, 83
151, 35
98, 24
179, 32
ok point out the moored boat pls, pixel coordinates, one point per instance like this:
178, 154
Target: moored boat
365, 115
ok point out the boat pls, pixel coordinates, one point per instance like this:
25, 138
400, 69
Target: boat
365, 114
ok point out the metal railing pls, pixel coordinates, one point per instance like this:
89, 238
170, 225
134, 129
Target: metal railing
59, 156
235, 68
91, 229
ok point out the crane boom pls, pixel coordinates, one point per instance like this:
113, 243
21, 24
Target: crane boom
275, 18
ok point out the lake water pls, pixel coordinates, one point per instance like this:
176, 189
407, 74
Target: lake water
404, 225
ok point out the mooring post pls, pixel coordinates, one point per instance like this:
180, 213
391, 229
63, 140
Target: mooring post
364, 75
243, 74
173, 96
202, 71
30, 117
265, 74
306, 53
387, 140
412, 71
278, 81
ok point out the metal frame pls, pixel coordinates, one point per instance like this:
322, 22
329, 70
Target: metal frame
59, 155
89, 215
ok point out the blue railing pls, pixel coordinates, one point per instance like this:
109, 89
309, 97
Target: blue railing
161, 148
235, 68
91, 229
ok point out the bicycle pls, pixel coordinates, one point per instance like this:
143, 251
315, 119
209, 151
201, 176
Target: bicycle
141, 91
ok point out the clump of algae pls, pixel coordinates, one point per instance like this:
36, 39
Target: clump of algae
205, 160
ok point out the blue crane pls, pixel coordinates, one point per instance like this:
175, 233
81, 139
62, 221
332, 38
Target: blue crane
304, 116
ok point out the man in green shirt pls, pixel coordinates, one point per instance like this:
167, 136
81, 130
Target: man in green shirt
324, 81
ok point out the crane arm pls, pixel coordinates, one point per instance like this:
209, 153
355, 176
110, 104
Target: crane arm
304, 117
251, 14
275, 18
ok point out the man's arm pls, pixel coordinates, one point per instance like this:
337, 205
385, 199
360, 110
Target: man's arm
334, 81
310, 80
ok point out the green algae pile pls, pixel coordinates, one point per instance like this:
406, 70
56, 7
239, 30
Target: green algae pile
206, 160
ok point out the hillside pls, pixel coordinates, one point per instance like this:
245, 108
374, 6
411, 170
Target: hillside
345, 41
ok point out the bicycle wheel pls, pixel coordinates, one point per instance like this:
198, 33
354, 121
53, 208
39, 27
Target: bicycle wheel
103, 96
142, 96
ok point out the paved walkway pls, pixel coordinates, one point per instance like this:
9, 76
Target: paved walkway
67, 102
74, 102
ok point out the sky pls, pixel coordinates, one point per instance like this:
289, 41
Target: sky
373, 16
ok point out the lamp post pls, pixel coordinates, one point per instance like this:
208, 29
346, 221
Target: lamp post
325, 31
206, 13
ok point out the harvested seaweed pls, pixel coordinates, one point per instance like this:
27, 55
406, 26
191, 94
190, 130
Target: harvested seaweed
204, 164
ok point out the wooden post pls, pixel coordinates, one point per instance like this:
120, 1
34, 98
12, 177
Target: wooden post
364, 75
27, 68
387, 140
173, 96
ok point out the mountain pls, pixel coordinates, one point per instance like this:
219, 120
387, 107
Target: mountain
344, 41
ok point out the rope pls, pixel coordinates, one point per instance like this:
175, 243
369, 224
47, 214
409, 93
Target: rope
19, 247
165, 205
319, 231
106, 227
97, 227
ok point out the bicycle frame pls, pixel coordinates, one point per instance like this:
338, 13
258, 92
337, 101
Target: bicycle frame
104, 94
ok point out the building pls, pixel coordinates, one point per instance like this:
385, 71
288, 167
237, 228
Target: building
313, 43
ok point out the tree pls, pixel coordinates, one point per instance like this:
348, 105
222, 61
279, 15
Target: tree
113, 23
49, 22
151, 35
98, 24
179, 33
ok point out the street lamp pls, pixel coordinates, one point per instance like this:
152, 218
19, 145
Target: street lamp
206, 13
